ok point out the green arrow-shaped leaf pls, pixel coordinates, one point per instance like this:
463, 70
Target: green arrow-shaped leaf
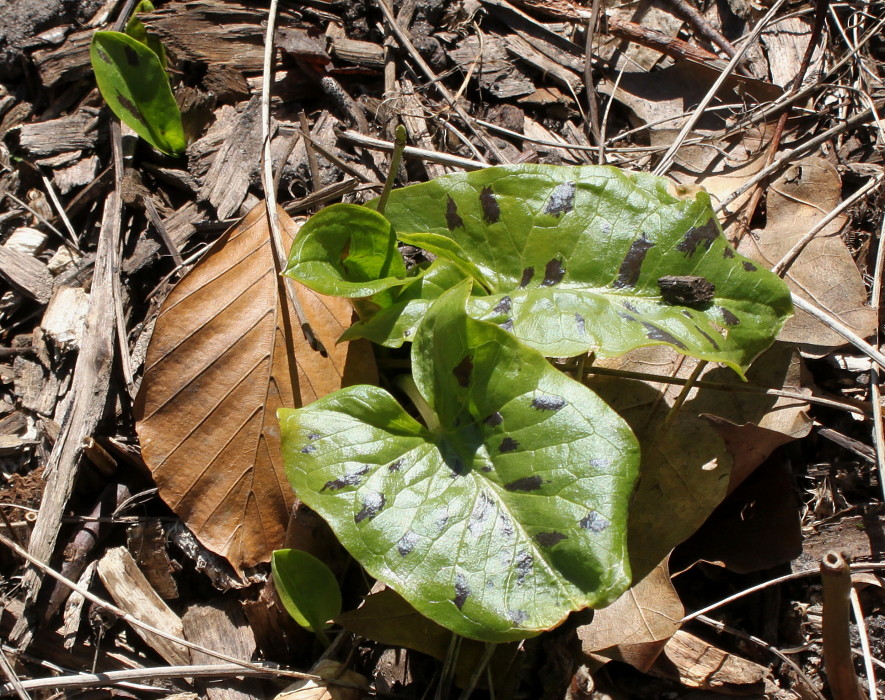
504, 519
594, 259
134, 83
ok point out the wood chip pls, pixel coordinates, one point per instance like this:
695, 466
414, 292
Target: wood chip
133, 593
695, 663
27, 275
62, 135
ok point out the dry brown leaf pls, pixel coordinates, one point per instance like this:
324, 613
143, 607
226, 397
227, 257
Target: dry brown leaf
317, 690
824, 272
218, 367
635, 628
697, 664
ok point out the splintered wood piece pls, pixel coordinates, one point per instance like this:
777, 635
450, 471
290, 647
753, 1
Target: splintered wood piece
63, 135
222, 626
131, 591
697, 664
26, 274
147, 542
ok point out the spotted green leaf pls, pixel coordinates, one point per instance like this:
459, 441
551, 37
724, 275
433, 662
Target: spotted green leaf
499, 522
590, 258
307, 588
136, 29
133, 82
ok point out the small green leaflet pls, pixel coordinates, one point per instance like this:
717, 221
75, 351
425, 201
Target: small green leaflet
133, 82
306, 587
136, 29
502, 521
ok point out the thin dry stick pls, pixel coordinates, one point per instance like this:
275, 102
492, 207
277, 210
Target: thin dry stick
432, 156
875, 391
14, 681
267, 182
835, 325
403, 38
83, 680
590, 86
746, 388
864, 643
836, 582
312, 164
396, 158
135, 622
703, 27
670, 155
781, 266
773, 582
62, 214
800, 674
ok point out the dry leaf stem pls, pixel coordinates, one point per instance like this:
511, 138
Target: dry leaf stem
836, 581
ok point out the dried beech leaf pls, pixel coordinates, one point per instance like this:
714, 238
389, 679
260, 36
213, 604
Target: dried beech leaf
218, 367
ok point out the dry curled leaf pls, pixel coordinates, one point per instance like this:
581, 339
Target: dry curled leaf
225, 355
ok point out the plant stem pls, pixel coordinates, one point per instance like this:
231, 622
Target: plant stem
399, 144
836, 580
407, 384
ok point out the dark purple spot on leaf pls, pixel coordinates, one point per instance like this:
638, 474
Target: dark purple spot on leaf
462, 590
308, 449
549, 539
630, 307
442, 520
727, 252
526, 483
506, 525
373, 503
524, 562
553, 273
508, 444
527, 275
599, 462
407, 543
503, 306
352, 479
463, 371
508, 325
710, 339
562, 199
127, 104
396, 466
548, 403
487, 468
494, 419
314, 436
729, 318
579, 322
686, 290
131, 56
103, 55
628, 273
517, 617
491, 212
700, 236
749, 267
594, 522
453, 218
655, 333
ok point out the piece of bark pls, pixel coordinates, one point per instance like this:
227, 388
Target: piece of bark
218, 569
362, 53
227, 180
65, 134
494, 72
73, 613
222, 626
131, 591
65, 63
64, 320
697, 664
27, 241
411, 112
37, 391
80, 173
566, 77
147, 542
88, 403
89, 535
25, 274
179, 226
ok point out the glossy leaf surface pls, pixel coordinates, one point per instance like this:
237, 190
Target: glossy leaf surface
504, 519
307, 588
592, 258
134, 83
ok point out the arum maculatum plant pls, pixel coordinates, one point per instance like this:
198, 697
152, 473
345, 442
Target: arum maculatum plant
504, 508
